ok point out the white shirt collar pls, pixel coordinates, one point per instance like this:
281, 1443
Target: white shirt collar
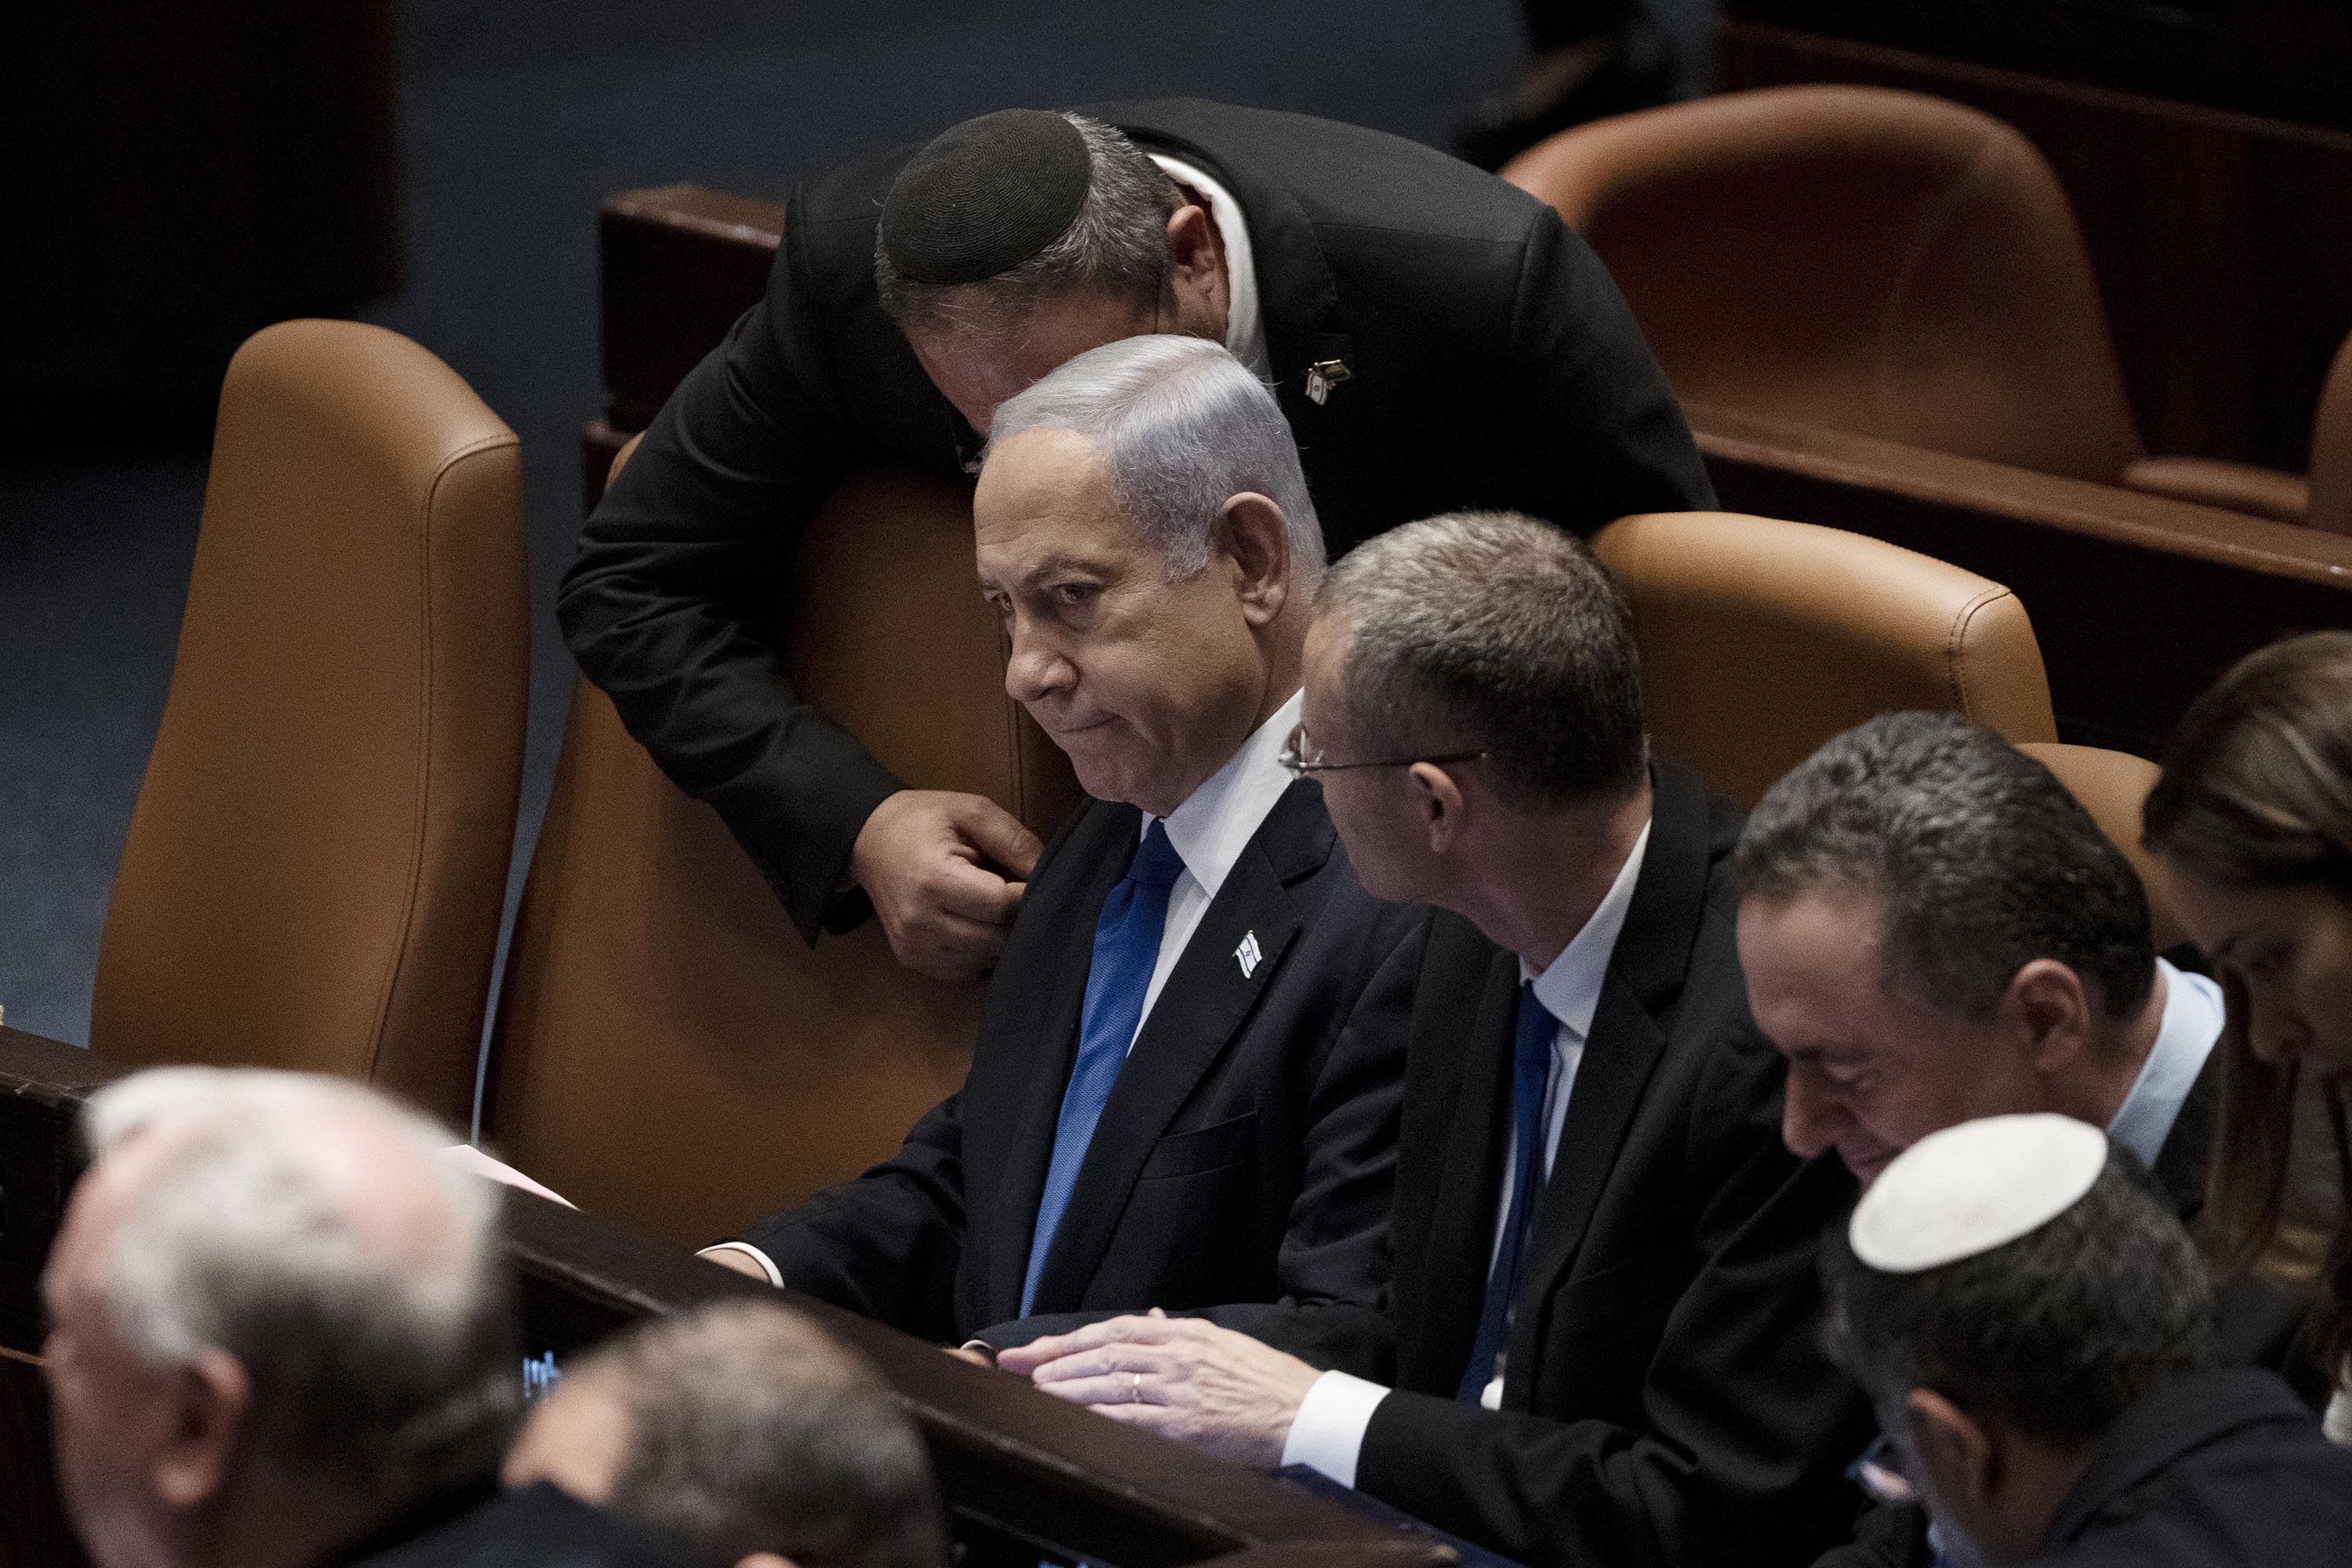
1244, 333
1570, 987
2191, 1022
1217, 820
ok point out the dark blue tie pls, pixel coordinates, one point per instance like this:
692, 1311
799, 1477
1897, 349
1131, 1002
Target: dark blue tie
1531, 1053
1127, 949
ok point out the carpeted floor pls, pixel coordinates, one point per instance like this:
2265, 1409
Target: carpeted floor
516, 117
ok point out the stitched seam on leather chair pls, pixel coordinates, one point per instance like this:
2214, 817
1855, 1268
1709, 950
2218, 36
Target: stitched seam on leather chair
1957, 640
449, 464
1931, 230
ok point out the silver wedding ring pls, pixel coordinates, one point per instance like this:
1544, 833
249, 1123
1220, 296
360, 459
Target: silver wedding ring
1135, 1388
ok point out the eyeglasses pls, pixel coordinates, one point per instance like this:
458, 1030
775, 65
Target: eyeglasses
1300, 755
1882, 1474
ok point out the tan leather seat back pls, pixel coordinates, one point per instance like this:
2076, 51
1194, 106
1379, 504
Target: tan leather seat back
2112, 786
1761, 639
667, 1051
1872, 262
318, 862
2331, 449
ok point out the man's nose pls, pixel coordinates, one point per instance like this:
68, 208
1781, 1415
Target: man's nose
1809, 1120
1033, 667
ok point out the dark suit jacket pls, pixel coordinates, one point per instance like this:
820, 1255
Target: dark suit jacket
1245, 1157
1493, 363
532, 1527
2223, 1470
1666, 1400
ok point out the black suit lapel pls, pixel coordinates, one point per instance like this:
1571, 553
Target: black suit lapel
1208, 996
2180, 1165
1098, 857
1645, 975
1460, 1248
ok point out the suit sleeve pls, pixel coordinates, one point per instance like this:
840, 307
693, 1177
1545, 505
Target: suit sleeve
1333, 1265
672, 605
1590, 408
1746, 1422
885, 1246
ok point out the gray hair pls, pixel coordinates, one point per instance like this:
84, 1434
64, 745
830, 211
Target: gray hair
1185, 428
1497, 633
1982, 860
308, 1227
1115, 246
2059, 1331
749, 1429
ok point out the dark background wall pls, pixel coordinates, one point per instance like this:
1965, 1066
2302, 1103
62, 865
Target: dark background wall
513, 118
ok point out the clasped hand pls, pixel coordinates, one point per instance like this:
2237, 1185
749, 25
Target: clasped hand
936, 866
1181, 1377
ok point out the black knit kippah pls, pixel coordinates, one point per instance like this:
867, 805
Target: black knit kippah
985, 196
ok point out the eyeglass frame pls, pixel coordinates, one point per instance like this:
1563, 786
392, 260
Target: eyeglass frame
1293, 758
1882, 1473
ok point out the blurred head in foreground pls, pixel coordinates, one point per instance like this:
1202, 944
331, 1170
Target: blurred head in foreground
2007, 1291
277, 1320
747, 1430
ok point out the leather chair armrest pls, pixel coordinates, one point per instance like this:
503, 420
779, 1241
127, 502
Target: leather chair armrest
2233, 487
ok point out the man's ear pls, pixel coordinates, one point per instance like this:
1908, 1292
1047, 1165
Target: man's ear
211, 1416
1255, 536
1962, 1462
2050, 1008
1196, 262
1445, 809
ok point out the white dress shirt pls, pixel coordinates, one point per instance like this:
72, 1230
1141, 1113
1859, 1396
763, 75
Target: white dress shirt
2191, 1022
1244, 332
1327, 1433
1208, 831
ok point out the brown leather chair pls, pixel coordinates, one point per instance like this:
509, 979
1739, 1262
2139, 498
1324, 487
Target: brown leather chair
2330, 501
318, 861
667, 1051
1874, 261
1761, 639
2112, 786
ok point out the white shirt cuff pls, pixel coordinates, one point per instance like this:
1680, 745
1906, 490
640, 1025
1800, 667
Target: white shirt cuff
767, 1265
1329, 1430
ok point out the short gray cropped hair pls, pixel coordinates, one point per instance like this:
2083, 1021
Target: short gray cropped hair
1185, 428
2060, 1331
1492, 632
749, 1429
1982, 860
1117, 246
382, 1347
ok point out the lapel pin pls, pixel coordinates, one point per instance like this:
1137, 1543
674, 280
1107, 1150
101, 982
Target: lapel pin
1248, 953
1322, 377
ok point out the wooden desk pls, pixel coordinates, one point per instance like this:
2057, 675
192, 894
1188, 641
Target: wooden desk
2139, 601
1021, 1471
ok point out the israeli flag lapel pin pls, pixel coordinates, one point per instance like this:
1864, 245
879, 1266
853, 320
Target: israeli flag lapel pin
1248, 953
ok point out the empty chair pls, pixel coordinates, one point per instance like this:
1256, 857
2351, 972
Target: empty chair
318, 860
1873, 262
667, 1051
1761, 639
2112, 786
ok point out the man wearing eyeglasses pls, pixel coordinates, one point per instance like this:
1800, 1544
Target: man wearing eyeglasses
1601, 1342
1183, 1092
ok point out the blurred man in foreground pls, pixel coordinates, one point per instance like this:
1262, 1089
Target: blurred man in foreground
281, 1336
748, 1430
2035, 1329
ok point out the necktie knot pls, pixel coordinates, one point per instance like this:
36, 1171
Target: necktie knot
1156, 863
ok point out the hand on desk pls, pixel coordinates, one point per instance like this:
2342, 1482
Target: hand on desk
1181, 1377
932, 862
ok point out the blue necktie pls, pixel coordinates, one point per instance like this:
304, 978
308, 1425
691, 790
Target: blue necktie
1531, 1053
1127, 949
